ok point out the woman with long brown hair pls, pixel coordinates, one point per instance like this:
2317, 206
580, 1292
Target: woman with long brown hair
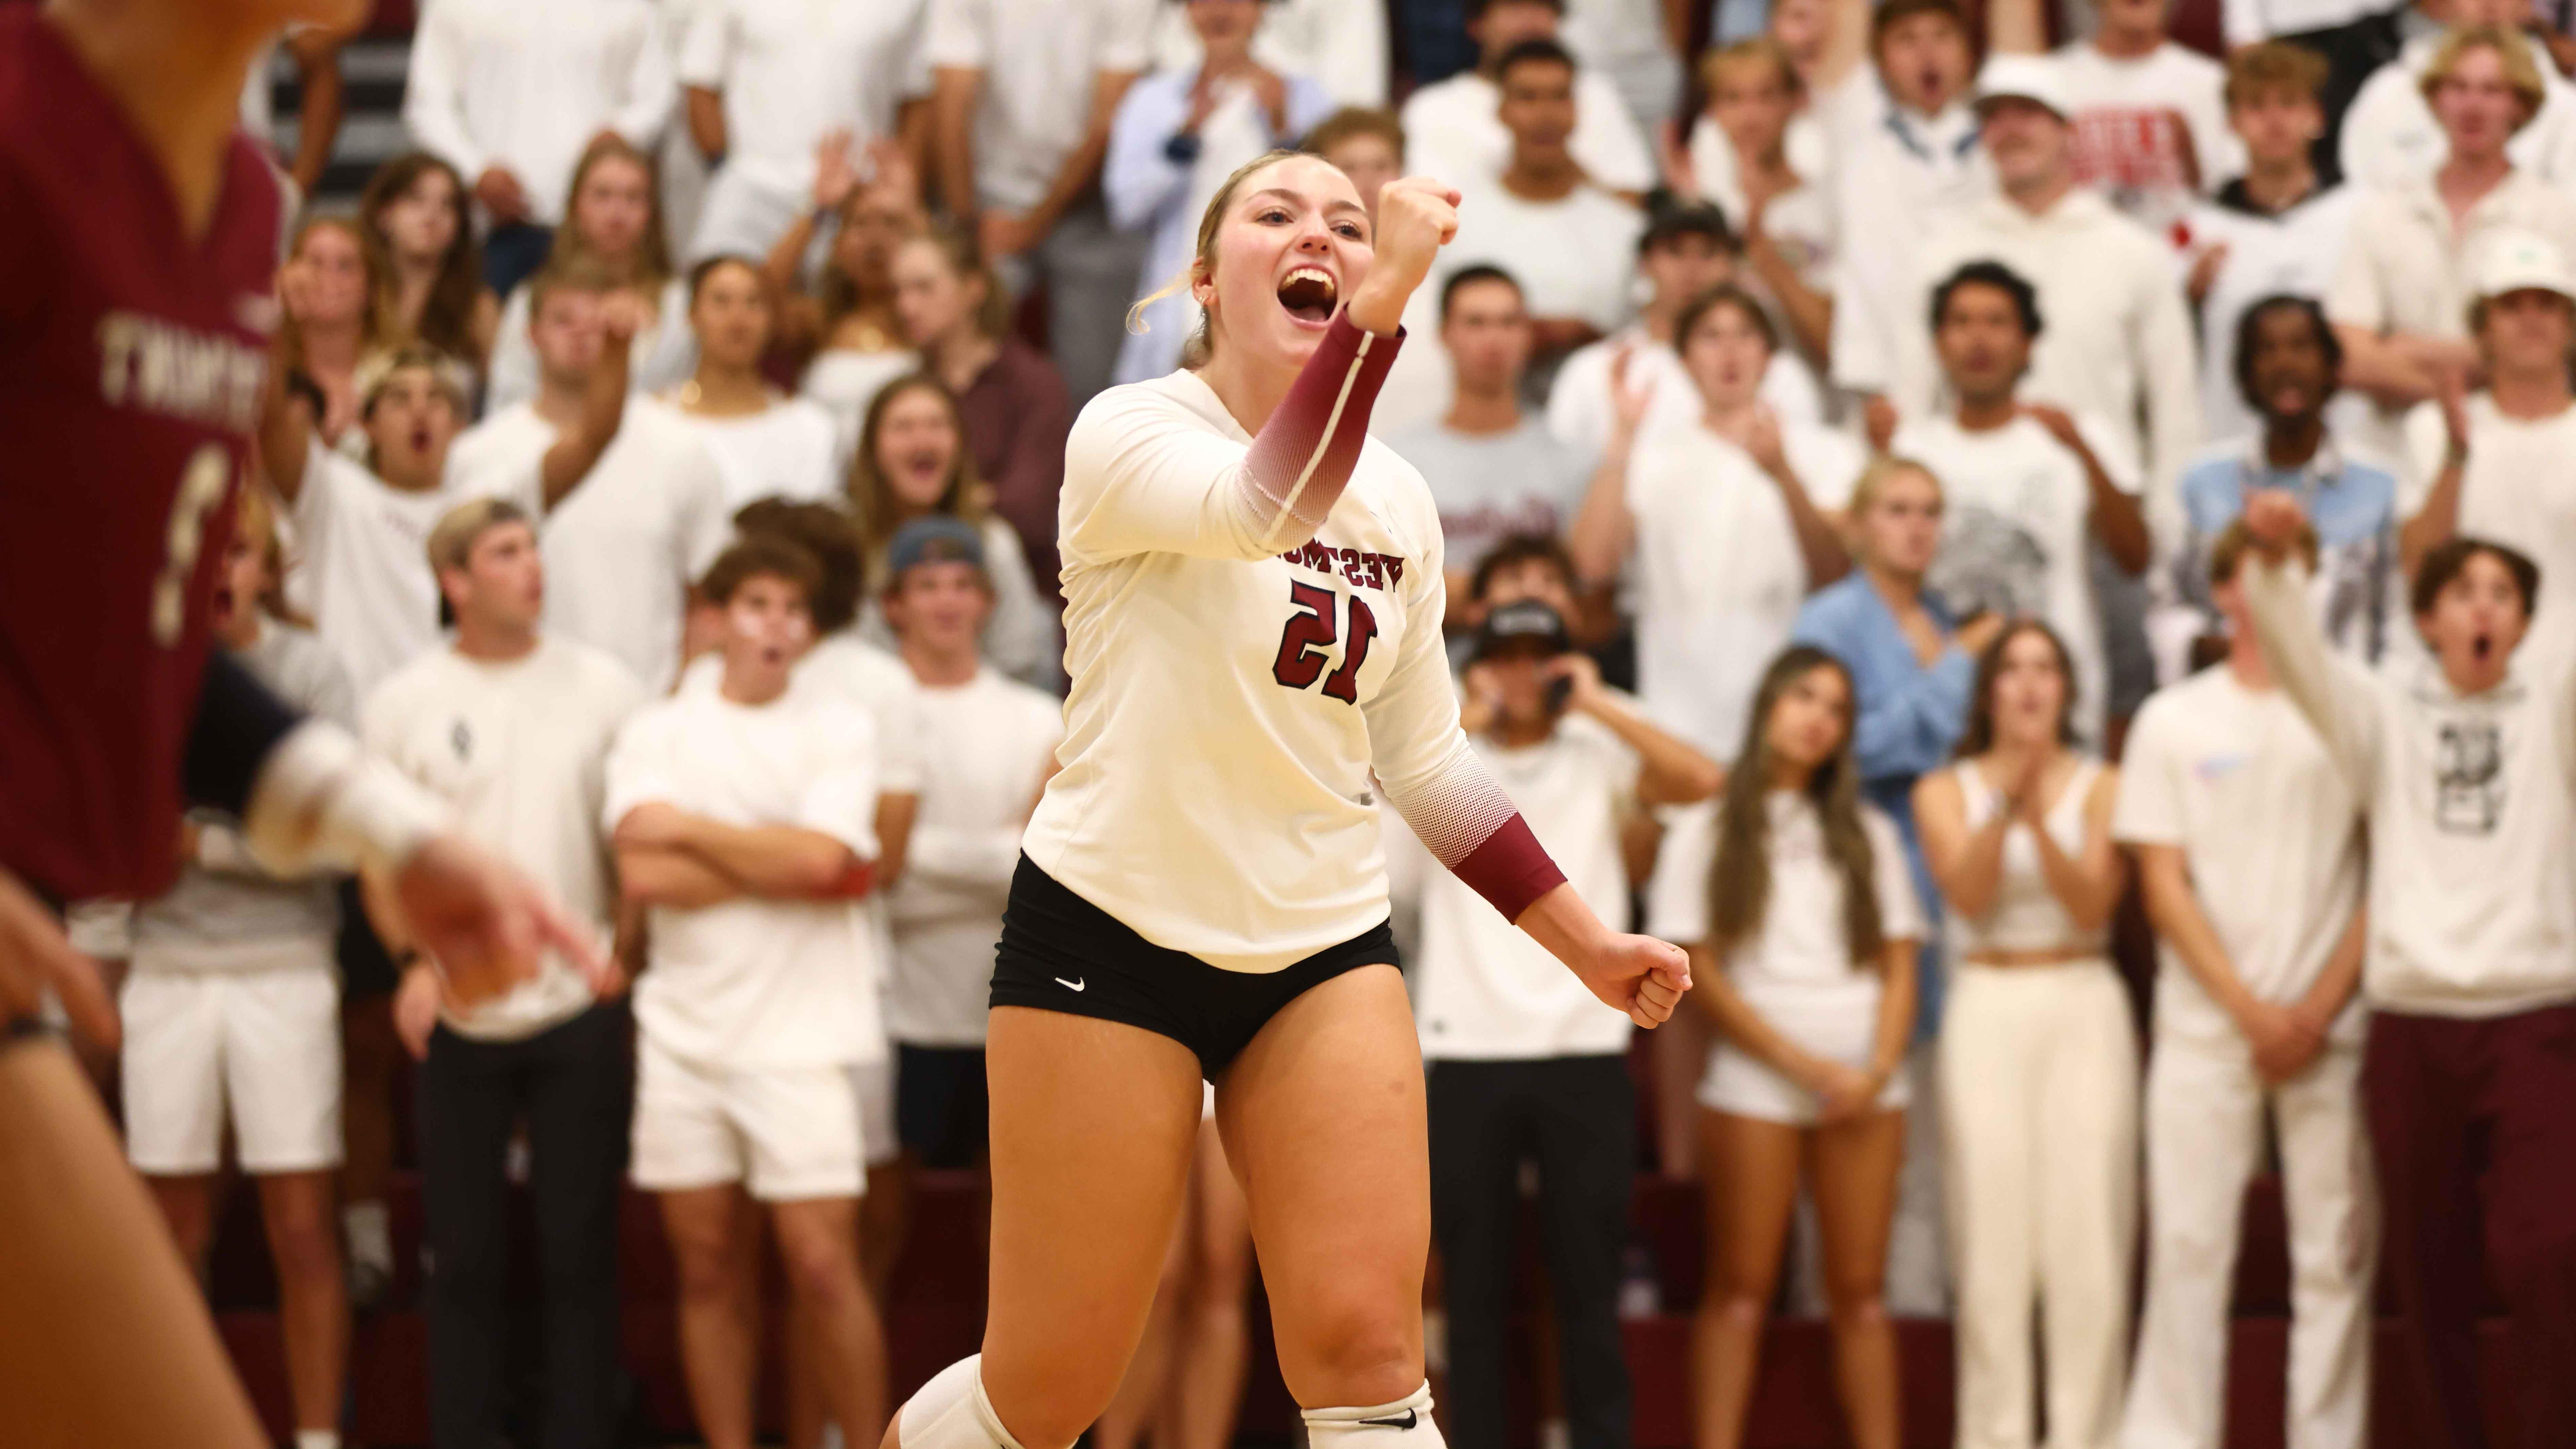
338, 315
912, 462
2038, 1060
1806, 934
614, 216
414, 211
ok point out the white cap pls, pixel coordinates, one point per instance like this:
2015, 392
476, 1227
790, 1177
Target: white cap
2025, 77
2519, 261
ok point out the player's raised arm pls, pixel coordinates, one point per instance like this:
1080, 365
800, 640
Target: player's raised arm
1140, 478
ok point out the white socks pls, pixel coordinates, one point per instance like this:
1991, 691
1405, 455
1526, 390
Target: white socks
317, 1439
370, 1232
951, 1412
1406, 1423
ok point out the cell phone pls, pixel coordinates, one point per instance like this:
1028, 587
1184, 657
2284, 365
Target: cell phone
1559, 690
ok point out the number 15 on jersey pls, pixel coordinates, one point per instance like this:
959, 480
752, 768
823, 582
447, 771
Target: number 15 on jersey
1305, 643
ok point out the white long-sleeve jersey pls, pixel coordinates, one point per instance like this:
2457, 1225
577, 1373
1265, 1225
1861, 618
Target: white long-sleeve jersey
1252, 628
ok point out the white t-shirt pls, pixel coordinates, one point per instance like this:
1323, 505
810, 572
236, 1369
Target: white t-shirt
986, 746
1206, 804
2518, 488
364, 549
1718, 570
1485, 991
791, 70
787, 450
2151, 131
1799, 964
1580, 411
517, 749
1896, 174
844, 669
1040, 60
1453, 131
755, 983
2016, 532
622, 548
2271, 831
1489, 486
1576, 257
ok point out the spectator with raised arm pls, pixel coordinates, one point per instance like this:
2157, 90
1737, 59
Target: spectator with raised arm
2465, 763
513, 99
1723, 519
613, 222
1025, 93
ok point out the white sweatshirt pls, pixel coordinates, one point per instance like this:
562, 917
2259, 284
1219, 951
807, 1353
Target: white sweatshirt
2472, 803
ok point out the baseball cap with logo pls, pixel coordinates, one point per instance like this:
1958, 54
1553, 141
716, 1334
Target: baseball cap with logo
1524, 626
2521, 261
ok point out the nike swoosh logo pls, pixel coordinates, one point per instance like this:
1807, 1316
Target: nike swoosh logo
1071, 985
1404, 1423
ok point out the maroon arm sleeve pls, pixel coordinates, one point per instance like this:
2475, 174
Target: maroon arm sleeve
1302, 458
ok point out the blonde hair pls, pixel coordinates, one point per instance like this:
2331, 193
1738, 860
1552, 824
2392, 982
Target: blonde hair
1202, 262
1761, 49
2274, 67
255, 519
451, 542
380, 324
2511, 51
1885, 469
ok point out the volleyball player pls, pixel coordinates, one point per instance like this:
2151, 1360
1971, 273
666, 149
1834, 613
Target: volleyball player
135, 308
1253, 603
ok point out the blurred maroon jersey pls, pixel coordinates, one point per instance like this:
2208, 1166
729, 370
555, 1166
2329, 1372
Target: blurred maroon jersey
131, 363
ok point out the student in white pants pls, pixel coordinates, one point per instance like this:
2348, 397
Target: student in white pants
2250, 847
2038, 1062
232, 1013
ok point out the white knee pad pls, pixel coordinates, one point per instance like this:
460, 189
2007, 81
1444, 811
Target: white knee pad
1404, 1424
951, 1412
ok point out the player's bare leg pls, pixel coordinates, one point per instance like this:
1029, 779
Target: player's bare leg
1144, 1401
297, 1211
818, 1243
83, 1246
1092, 1123
1324, 1123
719, 1308
1215, 1343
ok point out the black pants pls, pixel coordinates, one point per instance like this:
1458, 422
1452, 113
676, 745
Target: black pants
1577, 1116
572, 1086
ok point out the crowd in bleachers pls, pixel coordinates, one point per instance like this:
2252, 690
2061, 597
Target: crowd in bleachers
1916, 478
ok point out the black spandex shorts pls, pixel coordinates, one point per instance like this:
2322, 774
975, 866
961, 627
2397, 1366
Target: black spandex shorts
1062, 953
940, 1109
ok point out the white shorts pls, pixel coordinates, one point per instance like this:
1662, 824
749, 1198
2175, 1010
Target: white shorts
1743, 1085
264, 1042
785, 1133
880, 1141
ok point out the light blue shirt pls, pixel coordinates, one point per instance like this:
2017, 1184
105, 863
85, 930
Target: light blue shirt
1148, 190
2351, 504
1906, 721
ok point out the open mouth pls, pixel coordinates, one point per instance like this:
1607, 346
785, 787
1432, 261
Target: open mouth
1309, 294
2482, 647
420, 440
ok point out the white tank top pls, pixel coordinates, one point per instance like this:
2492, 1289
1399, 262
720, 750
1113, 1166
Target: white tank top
2026, 915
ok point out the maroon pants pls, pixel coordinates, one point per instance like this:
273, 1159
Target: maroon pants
2474, 1124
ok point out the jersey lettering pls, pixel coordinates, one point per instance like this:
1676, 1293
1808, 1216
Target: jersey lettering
1360, 568
1311, 632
